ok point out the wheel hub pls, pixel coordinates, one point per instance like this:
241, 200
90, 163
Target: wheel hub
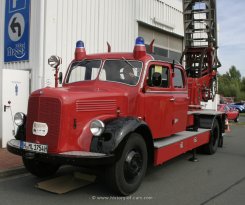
133, 164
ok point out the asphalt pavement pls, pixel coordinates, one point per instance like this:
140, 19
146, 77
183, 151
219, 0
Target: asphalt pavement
215, 179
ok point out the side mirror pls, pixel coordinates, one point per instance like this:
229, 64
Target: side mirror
156, 79
54, 61
60, 77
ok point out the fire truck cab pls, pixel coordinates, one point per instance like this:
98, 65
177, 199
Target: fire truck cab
122, 111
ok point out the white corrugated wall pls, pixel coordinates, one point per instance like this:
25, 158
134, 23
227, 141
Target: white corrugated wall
56, 25
94, 21
98, 21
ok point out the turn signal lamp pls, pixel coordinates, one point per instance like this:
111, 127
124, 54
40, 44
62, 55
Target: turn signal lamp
80, 51
139, 48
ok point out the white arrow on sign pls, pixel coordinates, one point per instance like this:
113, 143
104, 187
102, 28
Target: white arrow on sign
16, 27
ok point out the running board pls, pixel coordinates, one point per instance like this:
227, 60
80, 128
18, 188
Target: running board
178, 144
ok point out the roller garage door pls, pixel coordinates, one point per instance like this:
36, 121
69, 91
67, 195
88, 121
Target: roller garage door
166, 44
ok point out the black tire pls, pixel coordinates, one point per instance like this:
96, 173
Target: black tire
40, 169
212, 146
125, 176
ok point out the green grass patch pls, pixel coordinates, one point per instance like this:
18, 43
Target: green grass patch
242, 114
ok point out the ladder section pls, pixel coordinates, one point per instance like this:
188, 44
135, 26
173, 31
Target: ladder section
200, 23
200, 27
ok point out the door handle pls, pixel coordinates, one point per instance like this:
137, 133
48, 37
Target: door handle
172, 99
6, 106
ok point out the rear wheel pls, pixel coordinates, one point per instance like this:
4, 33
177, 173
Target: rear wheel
38, 168
212, 146
126, 175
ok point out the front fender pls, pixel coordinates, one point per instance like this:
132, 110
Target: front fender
115, 132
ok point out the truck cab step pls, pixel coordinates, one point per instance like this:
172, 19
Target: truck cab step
178, 137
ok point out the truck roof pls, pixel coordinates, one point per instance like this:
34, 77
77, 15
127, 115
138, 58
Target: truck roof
105, 56
129, 56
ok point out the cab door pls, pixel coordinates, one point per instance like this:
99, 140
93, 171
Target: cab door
158, 99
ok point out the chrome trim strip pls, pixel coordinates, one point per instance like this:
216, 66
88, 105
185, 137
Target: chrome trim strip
167, 92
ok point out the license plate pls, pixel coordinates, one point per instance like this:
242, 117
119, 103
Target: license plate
41, 148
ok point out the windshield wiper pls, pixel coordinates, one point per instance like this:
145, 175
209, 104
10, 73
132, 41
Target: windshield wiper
126, 61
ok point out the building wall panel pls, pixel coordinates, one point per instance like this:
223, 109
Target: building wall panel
163, 14
95, 22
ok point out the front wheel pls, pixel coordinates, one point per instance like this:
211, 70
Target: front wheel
126, 175
38, 168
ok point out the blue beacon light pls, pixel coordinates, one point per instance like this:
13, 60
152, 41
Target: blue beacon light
79, 44
140, 41
80, 51
139, 48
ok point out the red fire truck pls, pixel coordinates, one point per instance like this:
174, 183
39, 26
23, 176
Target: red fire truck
122, 112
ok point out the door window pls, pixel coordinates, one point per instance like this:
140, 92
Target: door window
178, 78
158, 76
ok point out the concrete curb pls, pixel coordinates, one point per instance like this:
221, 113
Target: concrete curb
12, 172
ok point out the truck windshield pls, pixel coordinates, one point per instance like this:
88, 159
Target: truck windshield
122, 71
85, 70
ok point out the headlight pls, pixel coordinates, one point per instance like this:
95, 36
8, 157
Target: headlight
19, 118
97, 127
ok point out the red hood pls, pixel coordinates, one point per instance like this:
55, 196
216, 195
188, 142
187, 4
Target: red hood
86, 91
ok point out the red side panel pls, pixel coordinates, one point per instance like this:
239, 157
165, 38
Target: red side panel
190, 120
168, 152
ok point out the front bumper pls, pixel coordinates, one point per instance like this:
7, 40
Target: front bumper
77, 158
